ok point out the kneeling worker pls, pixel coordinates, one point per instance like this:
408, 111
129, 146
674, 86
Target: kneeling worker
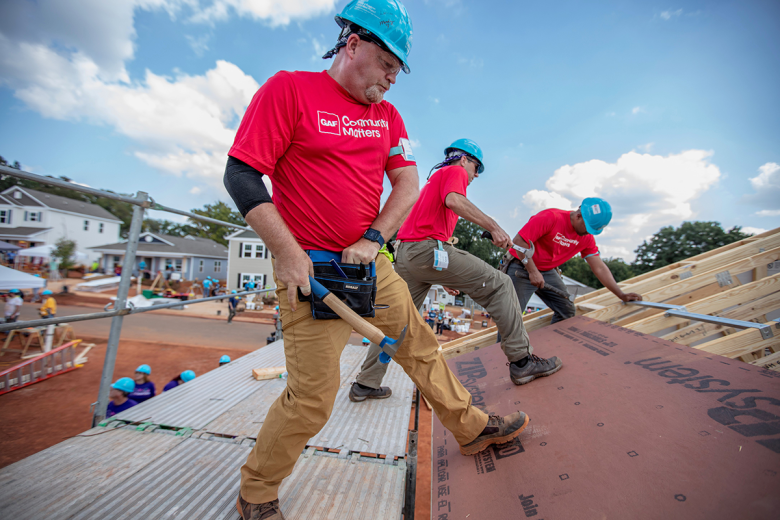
424, 258
558, 236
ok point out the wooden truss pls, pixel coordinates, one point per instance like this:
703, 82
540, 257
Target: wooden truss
704, 284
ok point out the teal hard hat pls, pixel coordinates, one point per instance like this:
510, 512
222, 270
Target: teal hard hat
124, 384
47, 292
388, 20
224, 359
15, 291
144, 369
471, 148
366, 340
187, 375
233, 292
596, 213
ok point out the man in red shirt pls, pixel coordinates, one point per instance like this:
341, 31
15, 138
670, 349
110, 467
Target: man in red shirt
559, 235
326, 140
425, 236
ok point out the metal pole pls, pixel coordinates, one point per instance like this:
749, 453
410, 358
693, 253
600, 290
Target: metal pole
121, 301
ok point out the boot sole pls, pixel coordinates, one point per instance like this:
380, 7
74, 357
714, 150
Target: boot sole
528, 379
476, 448
361, 398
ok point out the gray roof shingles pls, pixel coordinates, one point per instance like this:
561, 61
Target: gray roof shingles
59, 203
194, 246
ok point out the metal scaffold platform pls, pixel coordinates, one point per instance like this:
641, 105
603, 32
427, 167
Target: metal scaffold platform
178, 454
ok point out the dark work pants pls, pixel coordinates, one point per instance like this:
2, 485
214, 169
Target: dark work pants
562, 308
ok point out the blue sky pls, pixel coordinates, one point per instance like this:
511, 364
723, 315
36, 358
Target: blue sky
668, 110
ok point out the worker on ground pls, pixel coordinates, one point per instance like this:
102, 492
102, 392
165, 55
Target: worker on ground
144, 389
13, 305
327, 140
49, 307
224, 360
35, 295
184, 377
207, 287
558, 236
425, 257
119, 395
249, 285
232, 303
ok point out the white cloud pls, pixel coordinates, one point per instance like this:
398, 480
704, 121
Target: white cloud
195, 190
637, 110
646, 147
753, 230
767, 189
199, 44
67, 62
668, 15
319, 49
610, 114
768, 213
646, 192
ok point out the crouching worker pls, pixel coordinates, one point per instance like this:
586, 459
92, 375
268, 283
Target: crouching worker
558, 236
424, 258
119, 395
327, 140
49, 307
144, 389
184, 377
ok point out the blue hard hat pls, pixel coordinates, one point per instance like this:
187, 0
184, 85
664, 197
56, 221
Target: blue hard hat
224, 359
471, 148
366, 340
144, 369
47, 292
233, 292
385, 19
15, 291
125, 384
187, 375
596, 213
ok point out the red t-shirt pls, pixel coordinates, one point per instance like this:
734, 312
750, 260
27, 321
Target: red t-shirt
325, 152
555, 239
429, 217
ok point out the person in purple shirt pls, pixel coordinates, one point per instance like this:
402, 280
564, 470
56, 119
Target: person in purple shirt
144, 389
187, 375
119, 393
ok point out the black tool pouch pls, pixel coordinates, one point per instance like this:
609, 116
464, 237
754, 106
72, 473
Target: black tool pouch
357, 290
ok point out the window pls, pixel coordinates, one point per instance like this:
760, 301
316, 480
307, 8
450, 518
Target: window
259, 280
86, 225
200, 266
252, 251
33, 216
5, 216
217, 266
173, 265
100, 227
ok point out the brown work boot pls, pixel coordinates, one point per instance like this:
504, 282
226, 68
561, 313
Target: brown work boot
533, 367
499, 430
266, 511
359, 392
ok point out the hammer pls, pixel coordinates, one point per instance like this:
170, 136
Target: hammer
389, 346
528, 253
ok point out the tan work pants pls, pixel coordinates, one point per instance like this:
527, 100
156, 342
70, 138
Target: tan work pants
313, 349
486, 285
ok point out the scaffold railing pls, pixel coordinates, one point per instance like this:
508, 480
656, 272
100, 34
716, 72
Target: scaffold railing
141, 202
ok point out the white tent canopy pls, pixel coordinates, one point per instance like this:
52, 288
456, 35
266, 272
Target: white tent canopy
45, 251
13, 279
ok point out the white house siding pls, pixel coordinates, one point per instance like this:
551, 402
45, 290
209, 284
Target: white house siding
240, 265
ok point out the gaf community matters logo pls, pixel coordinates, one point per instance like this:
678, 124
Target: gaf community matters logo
329, 123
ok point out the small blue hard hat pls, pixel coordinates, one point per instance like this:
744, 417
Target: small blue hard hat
47, 292
124, 384
388, 20
224, 359
596, 213
15, 291
366, 340
471, 148
187, 375
144, 369
233, 292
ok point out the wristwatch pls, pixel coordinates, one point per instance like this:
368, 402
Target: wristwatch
374, 236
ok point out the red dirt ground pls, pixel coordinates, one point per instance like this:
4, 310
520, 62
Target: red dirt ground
45, 413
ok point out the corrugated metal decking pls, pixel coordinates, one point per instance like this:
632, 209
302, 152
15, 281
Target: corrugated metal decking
58, 481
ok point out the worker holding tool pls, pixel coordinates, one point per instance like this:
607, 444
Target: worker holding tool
326, 141
144, 388
558, 235
424, 257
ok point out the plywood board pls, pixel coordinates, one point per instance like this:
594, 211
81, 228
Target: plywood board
633, 426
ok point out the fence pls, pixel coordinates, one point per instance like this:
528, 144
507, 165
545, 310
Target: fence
141, 203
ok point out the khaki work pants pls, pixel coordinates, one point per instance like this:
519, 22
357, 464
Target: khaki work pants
313, 350
486, 285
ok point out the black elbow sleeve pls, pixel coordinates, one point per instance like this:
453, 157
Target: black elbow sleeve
245, 186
